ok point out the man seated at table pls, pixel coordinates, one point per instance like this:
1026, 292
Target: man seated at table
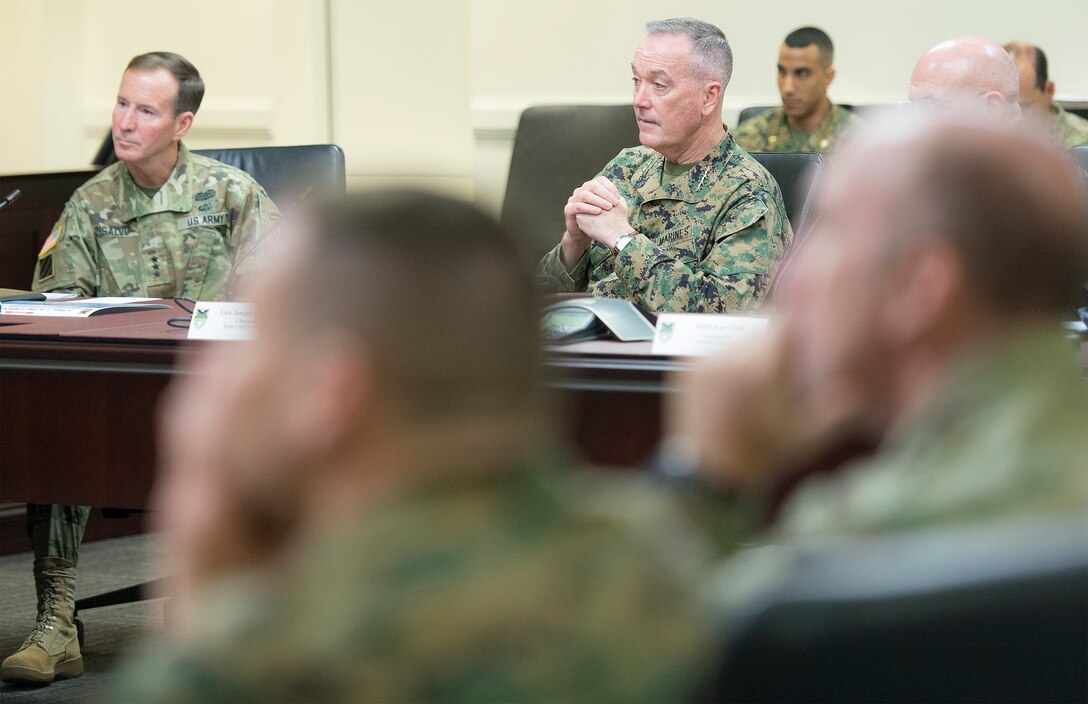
1037, 96
161, 222
363, 504
688, 221
807, 121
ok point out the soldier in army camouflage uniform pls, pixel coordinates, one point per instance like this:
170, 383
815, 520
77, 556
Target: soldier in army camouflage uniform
688, 221
1037, 96
807, 121
161, 222
357, 517
924, 315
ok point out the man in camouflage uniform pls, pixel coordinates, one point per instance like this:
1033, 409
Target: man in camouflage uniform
688, 221
356, 517
807, 121
921, 313
1037, 96
161, 222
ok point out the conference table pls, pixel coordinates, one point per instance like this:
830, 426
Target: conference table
78, 402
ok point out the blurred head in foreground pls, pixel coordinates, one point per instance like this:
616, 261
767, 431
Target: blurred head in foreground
360, 504
932, 236
937, 238
396, 336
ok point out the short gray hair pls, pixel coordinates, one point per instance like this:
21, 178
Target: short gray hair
710, 50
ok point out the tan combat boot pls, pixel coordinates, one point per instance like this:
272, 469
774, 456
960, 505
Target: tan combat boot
52, 649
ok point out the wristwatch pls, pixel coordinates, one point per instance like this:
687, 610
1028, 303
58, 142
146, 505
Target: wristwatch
622, 241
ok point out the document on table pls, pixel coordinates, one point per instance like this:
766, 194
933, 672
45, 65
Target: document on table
82, 308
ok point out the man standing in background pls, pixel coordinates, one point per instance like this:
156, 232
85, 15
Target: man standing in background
807, 121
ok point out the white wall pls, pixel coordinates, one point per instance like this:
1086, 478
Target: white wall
579, 52
428, 92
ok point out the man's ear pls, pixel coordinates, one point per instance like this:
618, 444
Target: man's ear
182, 123
995, 102
830, 73
712, 95
1049, 89
923, 287
333, 398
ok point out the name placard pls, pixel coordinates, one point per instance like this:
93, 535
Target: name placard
221, 320
701, 334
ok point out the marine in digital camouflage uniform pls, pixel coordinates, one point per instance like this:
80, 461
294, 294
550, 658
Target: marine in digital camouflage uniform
521, 584
770, 131
710, 240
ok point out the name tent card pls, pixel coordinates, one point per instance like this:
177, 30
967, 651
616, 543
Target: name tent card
701, 334
221, 320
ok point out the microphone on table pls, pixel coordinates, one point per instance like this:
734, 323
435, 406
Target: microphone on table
10, 198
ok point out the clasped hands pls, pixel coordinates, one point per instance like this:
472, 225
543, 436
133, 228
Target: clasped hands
595, 211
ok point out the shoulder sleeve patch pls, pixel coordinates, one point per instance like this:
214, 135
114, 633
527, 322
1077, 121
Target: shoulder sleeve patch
51, 241
45, 268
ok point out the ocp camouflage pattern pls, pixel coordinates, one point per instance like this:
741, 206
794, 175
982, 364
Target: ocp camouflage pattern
710, 240
114, 240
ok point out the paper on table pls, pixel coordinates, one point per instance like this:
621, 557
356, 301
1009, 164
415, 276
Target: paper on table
696, 334
50, 296
83, 308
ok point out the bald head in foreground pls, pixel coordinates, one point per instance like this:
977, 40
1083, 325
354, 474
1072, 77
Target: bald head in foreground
926, 310
362, 505
967, 73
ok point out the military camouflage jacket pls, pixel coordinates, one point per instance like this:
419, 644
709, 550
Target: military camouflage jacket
1070, 129
1007, 435
112, 240
1004, 440
710, 240
771, 132
517, 585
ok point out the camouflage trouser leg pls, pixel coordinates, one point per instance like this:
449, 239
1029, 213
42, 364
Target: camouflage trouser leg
56, 531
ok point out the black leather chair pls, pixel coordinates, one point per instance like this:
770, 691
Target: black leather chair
750, 112
795, 173
286, 172
754, 110
995, 612
556, 149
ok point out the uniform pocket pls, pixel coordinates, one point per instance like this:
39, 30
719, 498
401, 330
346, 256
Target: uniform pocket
208, 263
122, 261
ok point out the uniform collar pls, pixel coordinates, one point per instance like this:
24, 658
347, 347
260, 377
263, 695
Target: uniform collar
690, 187
176, 195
